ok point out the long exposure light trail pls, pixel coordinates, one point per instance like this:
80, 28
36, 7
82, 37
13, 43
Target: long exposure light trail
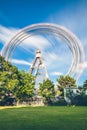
72, 41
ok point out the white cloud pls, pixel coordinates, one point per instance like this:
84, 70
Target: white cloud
36, 41
6, 33
56, 73
83, 65
51, 51
33, 42
20, 62
50, 58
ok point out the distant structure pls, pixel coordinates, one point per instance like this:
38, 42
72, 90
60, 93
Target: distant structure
38, 68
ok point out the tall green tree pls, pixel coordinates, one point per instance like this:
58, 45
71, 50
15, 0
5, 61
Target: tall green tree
66, 81
25, 89
46, 90
15, 83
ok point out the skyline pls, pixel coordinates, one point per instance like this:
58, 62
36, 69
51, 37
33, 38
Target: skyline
70, 14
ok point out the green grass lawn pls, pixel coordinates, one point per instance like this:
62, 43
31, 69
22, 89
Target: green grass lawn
43, 118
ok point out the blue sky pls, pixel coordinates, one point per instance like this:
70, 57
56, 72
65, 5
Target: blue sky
16, 14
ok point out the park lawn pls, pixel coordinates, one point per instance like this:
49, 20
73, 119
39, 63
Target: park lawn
43, 118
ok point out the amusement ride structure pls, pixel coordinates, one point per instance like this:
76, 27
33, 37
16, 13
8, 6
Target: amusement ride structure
38, 68
72, 42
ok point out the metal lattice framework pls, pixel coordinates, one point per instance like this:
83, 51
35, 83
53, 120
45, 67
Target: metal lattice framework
71, 40
40, 66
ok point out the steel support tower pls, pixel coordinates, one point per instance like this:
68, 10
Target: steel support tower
38, 68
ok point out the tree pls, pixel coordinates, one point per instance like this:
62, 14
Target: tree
66, 81
14, 83
46, 90
85, 84
25, 89
7, 80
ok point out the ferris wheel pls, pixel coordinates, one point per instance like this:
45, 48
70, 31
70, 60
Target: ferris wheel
72, 42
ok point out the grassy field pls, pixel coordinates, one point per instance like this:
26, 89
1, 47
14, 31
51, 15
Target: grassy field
43, 118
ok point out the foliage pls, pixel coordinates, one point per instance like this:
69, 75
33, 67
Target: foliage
46, 90
18, 85
14, 83
60, 102
80, 100
25, 89
76, 98
85, 85
66, 81
81, 97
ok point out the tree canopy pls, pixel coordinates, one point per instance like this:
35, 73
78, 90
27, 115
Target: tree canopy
66, 81
15, 83
19, 85
46, 90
